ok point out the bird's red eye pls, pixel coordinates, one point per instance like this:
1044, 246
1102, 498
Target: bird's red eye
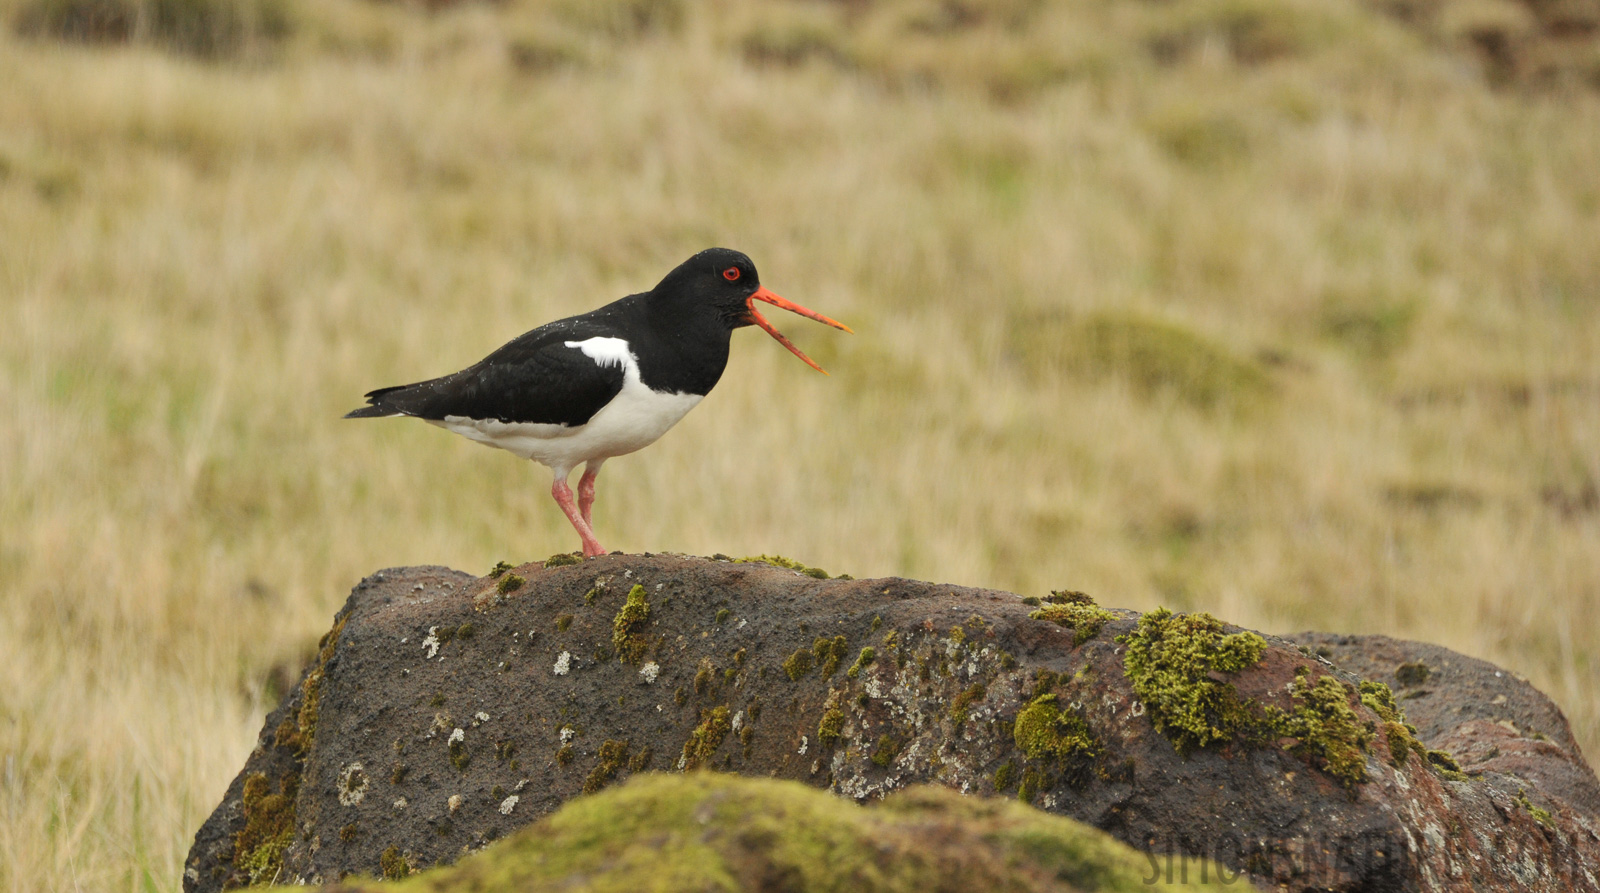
731, 274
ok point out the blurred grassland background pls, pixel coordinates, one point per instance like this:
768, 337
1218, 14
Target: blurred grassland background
1287, 310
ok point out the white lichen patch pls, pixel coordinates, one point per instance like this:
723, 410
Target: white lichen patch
508, 804
401, 803
650, 671
454, 803
431, 643
805, 742
738, 721
458, 736
567, 733
563, 663
352, 785
479, 718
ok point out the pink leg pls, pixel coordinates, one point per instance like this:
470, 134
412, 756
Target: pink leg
563, 495
586, 490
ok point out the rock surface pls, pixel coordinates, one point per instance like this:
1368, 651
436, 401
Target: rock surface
444, 711
711, 831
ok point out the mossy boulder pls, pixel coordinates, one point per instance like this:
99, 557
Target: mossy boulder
444, 711
706, 831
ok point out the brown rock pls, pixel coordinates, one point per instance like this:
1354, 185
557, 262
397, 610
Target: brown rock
446, 710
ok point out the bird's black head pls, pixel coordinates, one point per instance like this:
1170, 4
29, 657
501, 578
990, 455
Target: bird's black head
724, 283
720, 280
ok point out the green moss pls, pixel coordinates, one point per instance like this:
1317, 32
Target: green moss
1326, 728
964, 701
1032, 781
1400, 735
876, 623
1540, 815
706, 831
888, 748
705, 677
563, 621
348, 832
466, 631
591, 595
563, 559
863, 660
1007, 661
1446, 765
680, 697
625, 637
829, 653
641, 760
565, 754
1085, 620
393, 865
1413, 673
832, 724
790, 563
612, 753
799, 663
268, 830
499, 568
958, 635
459, 757
510, 583
706, 737
1005, 776
1032, 600
1172, 660
1046, 733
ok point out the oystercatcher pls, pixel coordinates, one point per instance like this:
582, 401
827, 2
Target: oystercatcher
584, 389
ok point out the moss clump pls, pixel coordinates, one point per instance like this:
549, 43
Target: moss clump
459, 757
863, 660
641, 760
392, 865
832, 724
269, 828
964, 701
888, 748
706, 737
1171, 659
510, 583
500, 567
1540, 815
705, 677
708, 831
466, 631
1046, 733
877, 622
1032, 781
829, 653
563, 621
798, 664
1446, 766
1400, 735
721, 616
790, 563
1085, 619
563, 559
1326, 728
348, 832
612, 753
564, 754
1412, 673
1005, 776
633, 615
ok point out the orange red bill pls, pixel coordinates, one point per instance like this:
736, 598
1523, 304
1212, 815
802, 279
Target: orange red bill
761, 294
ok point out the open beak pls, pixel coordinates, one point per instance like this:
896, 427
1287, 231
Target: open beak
763, 295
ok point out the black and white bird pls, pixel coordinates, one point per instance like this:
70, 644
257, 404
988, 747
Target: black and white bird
584, 389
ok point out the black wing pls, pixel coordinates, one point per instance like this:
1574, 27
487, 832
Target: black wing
534, 378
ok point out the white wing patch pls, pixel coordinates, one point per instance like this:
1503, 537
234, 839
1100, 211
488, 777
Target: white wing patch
606, 352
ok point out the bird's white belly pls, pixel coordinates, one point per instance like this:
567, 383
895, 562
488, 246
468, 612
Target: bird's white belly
634, 419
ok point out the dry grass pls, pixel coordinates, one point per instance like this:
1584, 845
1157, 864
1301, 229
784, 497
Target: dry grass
1274, 310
